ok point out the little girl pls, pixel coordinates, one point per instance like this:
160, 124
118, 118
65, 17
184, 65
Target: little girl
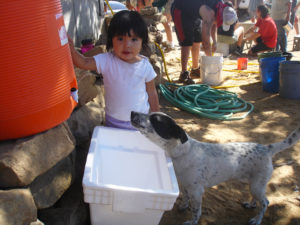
128, 76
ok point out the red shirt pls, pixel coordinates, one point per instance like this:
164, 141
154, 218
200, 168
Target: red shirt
267, 31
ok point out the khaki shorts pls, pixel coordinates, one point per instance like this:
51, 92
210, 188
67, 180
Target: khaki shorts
227, 39
230, 39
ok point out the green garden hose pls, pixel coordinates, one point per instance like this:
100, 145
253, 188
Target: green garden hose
202, 100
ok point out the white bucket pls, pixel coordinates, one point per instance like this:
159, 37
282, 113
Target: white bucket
211, 69
223, 48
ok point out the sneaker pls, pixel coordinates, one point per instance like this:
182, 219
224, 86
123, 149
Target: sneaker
185, 78
195, 73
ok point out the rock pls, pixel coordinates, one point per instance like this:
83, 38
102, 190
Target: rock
71, 209
87, 89
84, 119
47, 188
72, 215
22, 160
157, 68
17, 207
158, 37
148, 11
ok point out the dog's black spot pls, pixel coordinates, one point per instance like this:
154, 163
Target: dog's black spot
195, 182
290, 140
166, 127
294, 135
270, 146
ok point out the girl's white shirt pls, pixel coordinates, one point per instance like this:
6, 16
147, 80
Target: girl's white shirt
124, 84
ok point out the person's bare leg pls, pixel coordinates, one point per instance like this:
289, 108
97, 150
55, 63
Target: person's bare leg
168, 29
195, 54
296, 25
185, 53
185, 75
240, 34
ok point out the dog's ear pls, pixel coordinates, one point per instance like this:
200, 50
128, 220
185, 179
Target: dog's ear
166, 127
180, 133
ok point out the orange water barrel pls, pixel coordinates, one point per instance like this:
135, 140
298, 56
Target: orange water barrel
36, 70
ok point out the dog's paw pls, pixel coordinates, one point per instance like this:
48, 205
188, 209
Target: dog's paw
249, 205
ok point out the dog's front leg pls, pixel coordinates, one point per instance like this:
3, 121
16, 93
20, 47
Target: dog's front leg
184, 200
196, 204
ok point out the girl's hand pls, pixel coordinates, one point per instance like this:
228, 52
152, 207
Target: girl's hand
71, 43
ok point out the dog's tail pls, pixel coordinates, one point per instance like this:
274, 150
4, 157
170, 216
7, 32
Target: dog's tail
292, 139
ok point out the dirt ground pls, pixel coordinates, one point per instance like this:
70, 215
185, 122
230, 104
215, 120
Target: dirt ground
271, 121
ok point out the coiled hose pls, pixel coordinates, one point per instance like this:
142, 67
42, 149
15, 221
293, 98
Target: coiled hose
202, 100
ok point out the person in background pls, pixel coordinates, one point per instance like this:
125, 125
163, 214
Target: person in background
187, 16
128, 76
266, 37
294, 18
137, 5
252, 8
280, 12
166, 5
235, 34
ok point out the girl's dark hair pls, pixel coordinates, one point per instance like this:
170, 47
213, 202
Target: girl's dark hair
125, 21
264, 11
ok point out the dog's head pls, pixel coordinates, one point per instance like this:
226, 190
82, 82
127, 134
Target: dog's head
159, 128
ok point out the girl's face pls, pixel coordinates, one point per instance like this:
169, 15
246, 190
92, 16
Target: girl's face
127, 47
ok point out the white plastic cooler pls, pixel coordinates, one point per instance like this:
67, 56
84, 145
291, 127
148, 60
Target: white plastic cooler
127, 179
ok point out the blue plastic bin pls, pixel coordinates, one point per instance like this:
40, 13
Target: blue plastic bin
269, 68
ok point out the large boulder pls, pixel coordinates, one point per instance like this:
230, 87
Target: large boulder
87, 89
50, 186
17, 207
70, 208
84, 119
22, 160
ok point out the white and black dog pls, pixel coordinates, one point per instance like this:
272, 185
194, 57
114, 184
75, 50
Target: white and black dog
199, 165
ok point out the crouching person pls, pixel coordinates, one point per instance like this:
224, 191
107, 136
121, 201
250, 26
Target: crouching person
266, 36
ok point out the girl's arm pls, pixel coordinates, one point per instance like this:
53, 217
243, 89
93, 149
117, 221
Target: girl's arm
82, 62
152, 96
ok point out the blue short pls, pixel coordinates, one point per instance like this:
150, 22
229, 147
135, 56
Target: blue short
112, 122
